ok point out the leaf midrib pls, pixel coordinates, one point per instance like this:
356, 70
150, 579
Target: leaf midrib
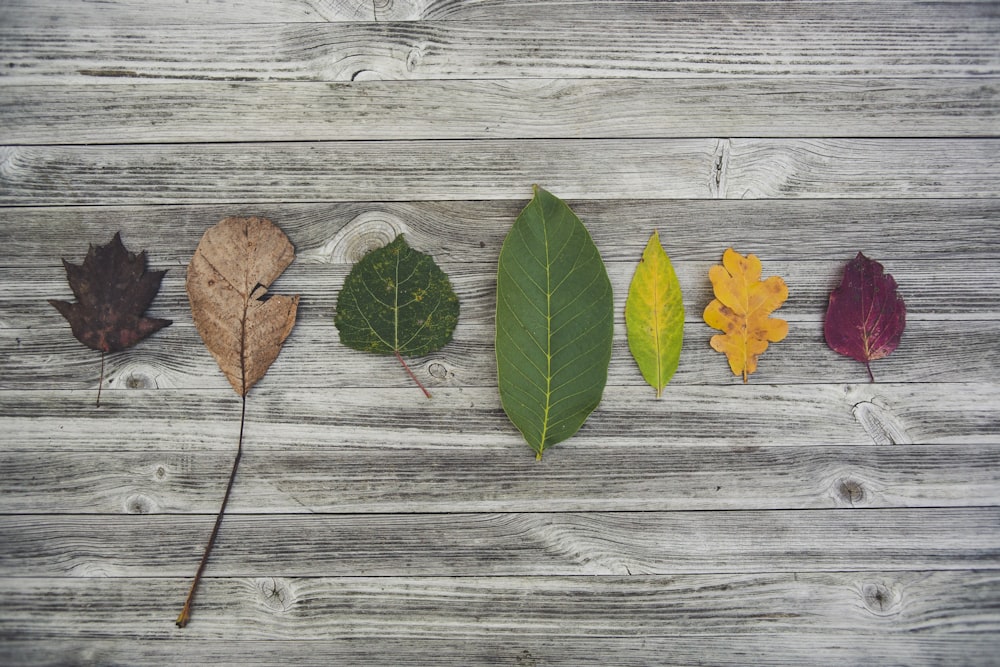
657, 313
548, 333
395, 305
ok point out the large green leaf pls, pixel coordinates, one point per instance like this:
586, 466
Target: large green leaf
654, 316
554, 323
397, 301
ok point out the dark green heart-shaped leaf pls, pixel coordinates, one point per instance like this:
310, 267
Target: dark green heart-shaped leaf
397, 301
554, 323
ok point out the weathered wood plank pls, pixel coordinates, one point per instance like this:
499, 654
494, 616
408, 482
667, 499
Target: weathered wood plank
886, 604
803, 519
142, 477
473, 231
499, 169
597, 169
49, 357
307, 419
715, 39
186, 12
824, 649
508, 109
487, 545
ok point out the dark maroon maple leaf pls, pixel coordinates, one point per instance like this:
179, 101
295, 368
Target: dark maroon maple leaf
113, 290
866, 316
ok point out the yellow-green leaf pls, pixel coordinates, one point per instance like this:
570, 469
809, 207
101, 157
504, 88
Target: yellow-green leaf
654, 316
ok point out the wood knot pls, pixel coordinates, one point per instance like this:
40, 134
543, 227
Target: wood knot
390, 10
137, 503
8, 165
720, 168
274, 594
880, 599
880, 424
161, 473
139, 381
525, 659
136, 376
438, 370
413, 58
850, 492
366, 232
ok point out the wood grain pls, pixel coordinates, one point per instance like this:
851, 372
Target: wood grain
809, 517
146, 476
887, 604
340, 233
498, 169
198, 112
716, 39
822, 649
185, 12
508, 544
315, 419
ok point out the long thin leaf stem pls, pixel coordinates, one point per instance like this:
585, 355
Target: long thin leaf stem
419, 383
185, 614
100, 384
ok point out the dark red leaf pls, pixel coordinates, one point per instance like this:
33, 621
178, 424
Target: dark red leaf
866, 316
113, 290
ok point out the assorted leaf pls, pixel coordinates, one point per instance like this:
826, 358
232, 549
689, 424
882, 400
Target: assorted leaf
240, 323
741, 309
397, 301
113, 291
866, 315
654, 316
553, 323
554, 315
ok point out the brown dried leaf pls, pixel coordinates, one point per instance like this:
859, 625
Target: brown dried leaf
113, 290
242, 326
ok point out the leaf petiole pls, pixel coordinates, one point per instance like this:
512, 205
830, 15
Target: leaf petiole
407, 368
185, 614
100, 383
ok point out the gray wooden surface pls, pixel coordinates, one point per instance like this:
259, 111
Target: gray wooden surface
809, 517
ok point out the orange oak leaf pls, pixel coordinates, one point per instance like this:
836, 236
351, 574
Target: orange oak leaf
741, 308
